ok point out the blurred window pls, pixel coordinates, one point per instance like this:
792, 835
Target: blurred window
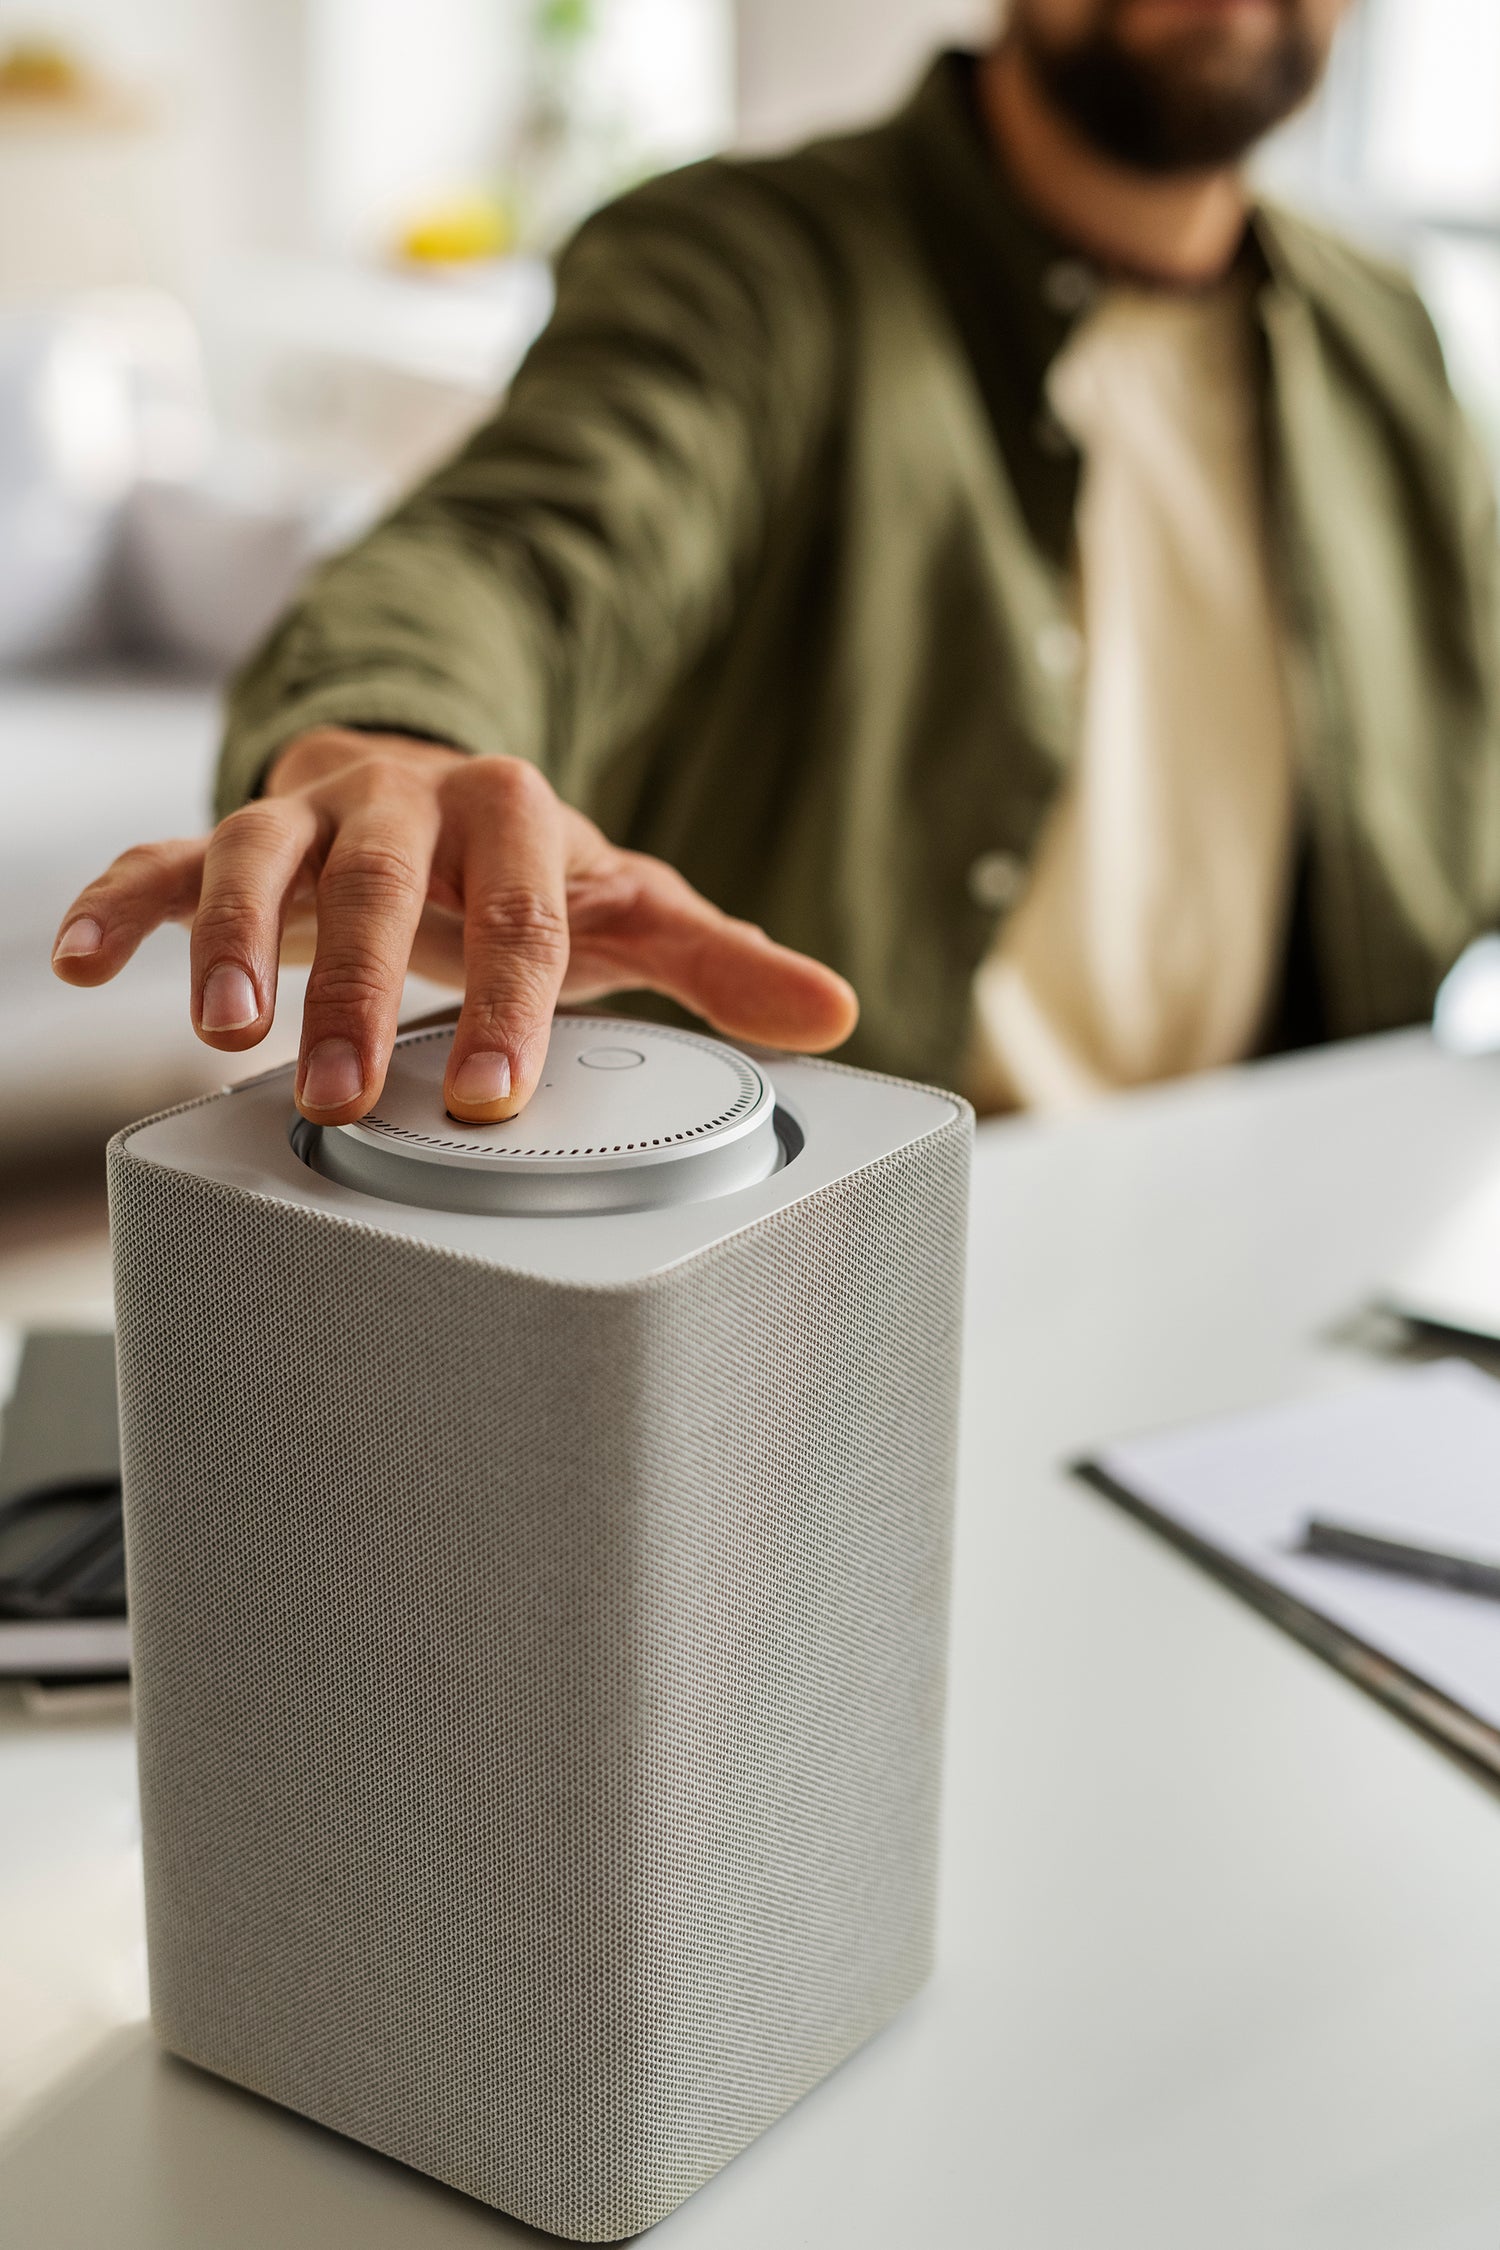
1403, 149
545, 106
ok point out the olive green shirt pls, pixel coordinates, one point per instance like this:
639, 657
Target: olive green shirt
765, 558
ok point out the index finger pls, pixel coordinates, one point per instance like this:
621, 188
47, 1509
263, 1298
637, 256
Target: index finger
144, 887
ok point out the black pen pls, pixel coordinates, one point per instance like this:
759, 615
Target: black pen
1435, 1566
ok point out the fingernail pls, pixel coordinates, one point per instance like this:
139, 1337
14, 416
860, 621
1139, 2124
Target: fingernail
82, 936
482, 1079
229, 1001
333, 1076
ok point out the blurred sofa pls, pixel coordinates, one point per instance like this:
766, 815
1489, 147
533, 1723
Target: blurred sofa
165, 478
89, 765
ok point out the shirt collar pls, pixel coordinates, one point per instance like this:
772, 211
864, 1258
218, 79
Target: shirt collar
957, 171
1045, 283
1015, 290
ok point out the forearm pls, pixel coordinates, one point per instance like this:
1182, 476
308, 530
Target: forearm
544, 591
406, 635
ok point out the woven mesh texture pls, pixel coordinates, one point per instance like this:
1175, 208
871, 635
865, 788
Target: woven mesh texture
539, 1688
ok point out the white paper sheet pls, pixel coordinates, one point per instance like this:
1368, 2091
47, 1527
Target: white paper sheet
1415, 1454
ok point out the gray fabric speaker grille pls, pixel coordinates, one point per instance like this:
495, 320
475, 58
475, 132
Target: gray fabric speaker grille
539, 1688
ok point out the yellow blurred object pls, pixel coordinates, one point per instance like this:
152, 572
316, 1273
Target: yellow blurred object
36, 70
459, 233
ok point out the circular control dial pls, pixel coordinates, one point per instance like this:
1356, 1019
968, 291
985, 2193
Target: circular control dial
626, 1117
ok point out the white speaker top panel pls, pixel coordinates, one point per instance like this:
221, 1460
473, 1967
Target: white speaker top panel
824, 1122
627, 1117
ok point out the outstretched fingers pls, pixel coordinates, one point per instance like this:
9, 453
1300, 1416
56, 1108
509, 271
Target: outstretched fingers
637, 922
431, 849
144, 887
250, 868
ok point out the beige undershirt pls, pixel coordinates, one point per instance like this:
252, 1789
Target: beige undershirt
1148, 940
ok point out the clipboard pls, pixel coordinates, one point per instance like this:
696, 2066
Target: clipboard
1418, 1448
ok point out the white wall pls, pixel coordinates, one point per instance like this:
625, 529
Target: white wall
807, 65
227, 81
416, 100
410, 103
290, 123
1431, 138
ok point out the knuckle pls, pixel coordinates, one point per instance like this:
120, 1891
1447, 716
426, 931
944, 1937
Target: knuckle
650, 882
229, 914
370, 871
308, 757
636, 897
373, 772
615, 898
521, 919
346, 765
506, 785
144, 864
351, 982
255, 827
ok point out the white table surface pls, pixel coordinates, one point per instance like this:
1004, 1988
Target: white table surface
1220, 1954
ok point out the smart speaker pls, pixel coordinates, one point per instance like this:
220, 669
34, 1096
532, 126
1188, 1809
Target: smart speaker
538, 1542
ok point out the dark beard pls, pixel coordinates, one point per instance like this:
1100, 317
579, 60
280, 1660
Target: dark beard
1159, 114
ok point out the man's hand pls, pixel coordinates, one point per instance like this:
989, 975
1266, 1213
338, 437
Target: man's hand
469, 870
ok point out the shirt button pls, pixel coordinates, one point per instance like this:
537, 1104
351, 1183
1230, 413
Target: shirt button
996, 880
1059, 650
1070, 286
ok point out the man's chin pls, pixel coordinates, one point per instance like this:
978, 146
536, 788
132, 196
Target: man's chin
1201, 70
1179, 87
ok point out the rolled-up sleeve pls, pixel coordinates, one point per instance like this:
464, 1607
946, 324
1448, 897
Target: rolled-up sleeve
541, 594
